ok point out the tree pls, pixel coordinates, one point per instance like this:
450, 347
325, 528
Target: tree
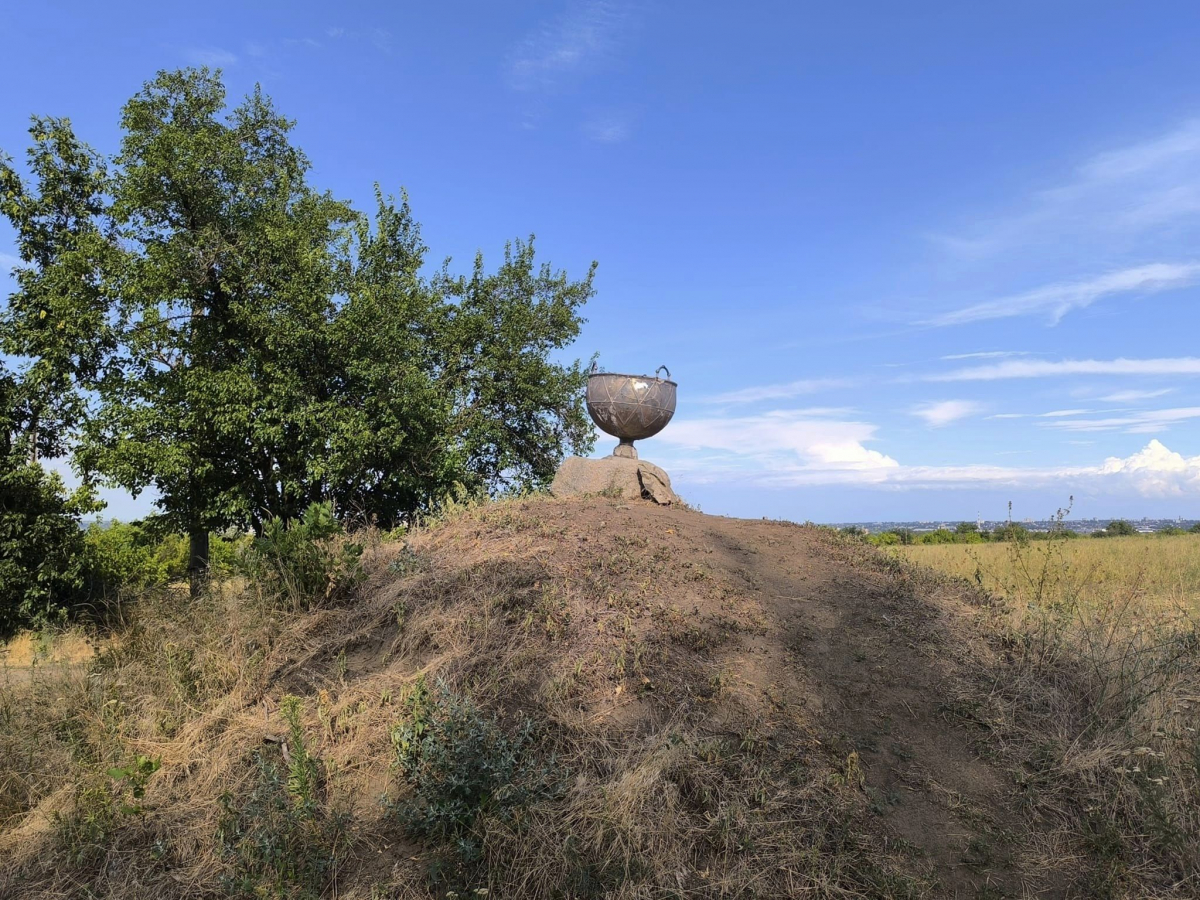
42, 560
1011, 531
1116, 528
246, 345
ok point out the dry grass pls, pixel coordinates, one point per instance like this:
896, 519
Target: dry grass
686, 766
1164, 572
1097, 702
671, 787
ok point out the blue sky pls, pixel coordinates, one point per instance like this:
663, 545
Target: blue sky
904, 260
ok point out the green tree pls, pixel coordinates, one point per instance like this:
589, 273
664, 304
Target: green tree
1117, 528
215, 329
42, 568
1011, 531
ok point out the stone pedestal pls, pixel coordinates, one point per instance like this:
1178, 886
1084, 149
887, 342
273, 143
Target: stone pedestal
613, 476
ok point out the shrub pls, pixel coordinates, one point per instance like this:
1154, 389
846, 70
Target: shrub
940, 536
126, 556
462, 765
305, 563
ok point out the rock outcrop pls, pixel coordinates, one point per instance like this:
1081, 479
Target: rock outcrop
613, 476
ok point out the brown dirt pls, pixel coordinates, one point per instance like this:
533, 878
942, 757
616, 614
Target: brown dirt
619, 624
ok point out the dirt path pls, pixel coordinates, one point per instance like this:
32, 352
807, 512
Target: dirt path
879, 665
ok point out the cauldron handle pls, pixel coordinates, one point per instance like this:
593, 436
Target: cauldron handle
662, 369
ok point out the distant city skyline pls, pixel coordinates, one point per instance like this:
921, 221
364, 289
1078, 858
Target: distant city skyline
904, 261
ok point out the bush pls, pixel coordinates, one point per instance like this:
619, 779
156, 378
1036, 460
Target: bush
42, 561
305, 563
126, 556
462, 765
940, 536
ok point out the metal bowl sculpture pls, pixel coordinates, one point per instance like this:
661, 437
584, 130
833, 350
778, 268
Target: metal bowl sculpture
630, 407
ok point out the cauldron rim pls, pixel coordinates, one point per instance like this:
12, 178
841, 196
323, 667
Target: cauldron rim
592, 375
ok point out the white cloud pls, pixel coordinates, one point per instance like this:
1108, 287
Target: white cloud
589, 33
8, 261
1133, 396
786, 449
1146, 156
1028, 368
987, 354
1056, 300
1146, 422
779, 391
213, 57
1112, 198
804, 437
1156, 471
381, 39
943, 412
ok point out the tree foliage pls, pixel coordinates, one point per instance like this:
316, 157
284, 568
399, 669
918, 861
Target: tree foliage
42, 569
194, 317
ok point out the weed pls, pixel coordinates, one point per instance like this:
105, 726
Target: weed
278, 841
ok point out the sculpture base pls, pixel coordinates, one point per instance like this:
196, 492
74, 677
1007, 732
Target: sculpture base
625, 450
613, 476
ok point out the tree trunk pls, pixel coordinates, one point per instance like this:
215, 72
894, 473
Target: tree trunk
197, 559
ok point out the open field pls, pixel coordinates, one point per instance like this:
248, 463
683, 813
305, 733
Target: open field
1160, 574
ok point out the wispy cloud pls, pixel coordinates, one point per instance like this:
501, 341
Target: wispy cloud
1056, 300
1031, 368
213, 57
586, 35
1145, 156
779, 391
943, 412
1119, 193
1142, 422
987, 354
1133, 396
8, 261
1121, 224
1053, 414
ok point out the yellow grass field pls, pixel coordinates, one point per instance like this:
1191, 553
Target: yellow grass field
1161, 573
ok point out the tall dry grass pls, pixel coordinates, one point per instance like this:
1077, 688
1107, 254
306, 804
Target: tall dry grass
1163, 571
1096, 699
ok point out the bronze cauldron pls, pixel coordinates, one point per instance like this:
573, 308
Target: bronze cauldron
630, 407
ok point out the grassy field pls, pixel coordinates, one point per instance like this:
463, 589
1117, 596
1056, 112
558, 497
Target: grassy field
1158, 574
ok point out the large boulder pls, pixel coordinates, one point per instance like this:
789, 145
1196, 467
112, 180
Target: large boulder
613, 476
